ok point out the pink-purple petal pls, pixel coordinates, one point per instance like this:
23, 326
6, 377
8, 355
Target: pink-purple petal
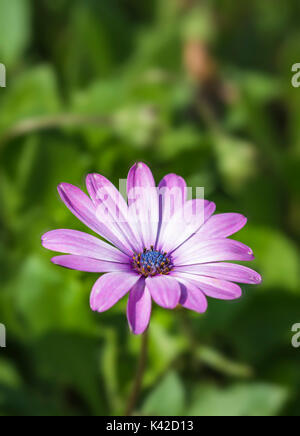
139, 307
191, 297
164, 290
84, 209
173, 195
213, 250
143, 203
172, 192
185, 223
226, 271
87, 264
110, 288
222, 225
81, 244
112, 209
215, 288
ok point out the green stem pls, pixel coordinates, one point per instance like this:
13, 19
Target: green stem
139, 376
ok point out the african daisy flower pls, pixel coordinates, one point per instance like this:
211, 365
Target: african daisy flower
161, 245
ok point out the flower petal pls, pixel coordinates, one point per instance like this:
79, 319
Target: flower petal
165, 291
139, 307
143, 203
213, 250
81, 244
173, 193
191, 296
82, 263
215, 288
112, 208
172, 196
84, 209
185, 222
110, 288
225, 271
222, 225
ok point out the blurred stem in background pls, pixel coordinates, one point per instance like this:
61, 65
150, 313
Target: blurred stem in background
137, 384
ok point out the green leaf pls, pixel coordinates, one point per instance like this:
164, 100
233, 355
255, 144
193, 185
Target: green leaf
217, 361
9, 374
70, 359
256, 399
47, 298
164, 346
175, 141
15, 29
276, 255
237, 161
32, 94
167, 398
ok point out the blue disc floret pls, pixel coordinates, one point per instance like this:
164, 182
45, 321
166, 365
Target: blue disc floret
152, 262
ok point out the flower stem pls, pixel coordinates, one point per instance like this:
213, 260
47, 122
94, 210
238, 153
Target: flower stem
138, 377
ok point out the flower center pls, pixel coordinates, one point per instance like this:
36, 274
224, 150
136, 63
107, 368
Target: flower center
152, 262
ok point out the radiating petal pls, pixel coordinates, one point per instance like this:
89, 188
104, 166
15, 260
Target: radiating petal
84, 209
81, 244
173, 195
165, 290
226, 271
213, 250
139, 307
87, 264
222, 225
110, 288
143, 203
185, 222
215, 288
172, 192
112, 209
191, 296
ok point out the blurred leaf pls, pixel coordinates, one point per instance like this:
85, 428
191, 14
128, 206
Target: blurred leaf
137, 124
46, 298
15, 28
71, 360
167, 398
278, 270
261, 87
261, 330
33, 94
9, 375
175, 141
217, 361
236, 162
256, 399
199, 24
164, 347
109, 368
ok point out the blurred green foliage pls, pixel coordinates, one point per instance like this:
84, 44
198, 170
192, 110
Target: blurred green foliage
198, 88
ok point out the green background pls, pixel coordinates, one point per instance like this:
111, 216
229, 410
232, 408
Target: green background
198, 88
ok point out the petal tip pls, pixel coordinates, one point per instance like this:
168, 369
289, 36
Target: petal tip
54, 260
93, 302
258, 279
62, 187
93, 307
244, 218
137, 331
44, 238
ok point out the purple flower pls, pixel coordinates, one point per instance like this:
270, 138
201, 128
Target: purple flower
160, 246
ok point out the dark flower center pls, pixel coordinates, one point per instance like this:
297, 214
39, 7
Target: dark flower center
152, 262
